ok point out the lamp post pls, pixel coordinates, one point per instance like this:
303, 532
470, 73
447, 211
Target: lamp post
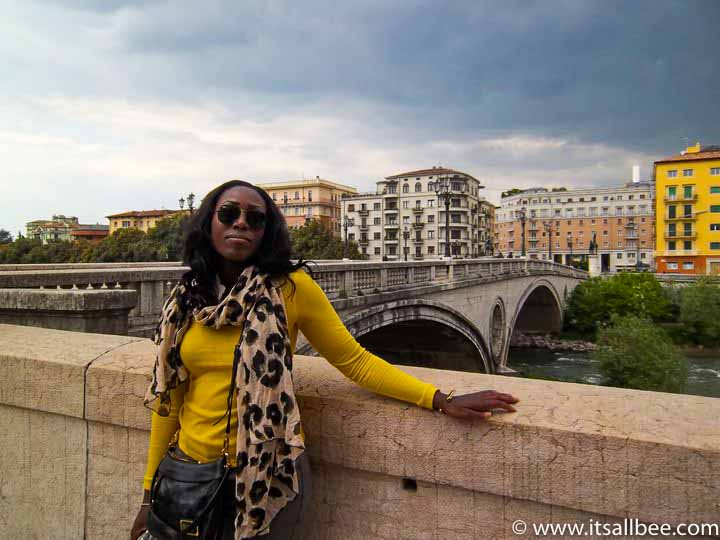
547, 225
406, 235
444, 191
181, 202
523, 218
346, 222
456, 247
190, 201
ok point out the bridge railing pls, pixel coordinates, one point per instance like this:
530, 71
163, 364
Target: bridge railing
338, 279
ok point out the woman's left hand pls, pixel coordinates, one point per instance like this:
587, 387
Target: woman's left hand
475, 405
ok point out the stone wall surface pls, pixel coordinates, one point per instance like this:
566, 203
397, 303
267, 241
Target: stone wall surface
382, 469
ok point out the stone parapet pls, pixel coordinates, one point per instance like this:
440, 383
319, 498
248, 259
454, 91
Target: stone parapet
76, 436
102, 311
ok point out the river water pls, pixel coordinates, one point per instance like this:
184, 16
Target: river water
703, 373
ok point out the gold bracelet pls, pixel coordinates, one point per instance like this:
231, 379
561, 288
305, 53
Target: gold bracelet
450, 396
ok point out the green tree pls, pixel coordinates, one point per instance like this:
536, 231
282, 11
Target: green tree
700, 312
17, 252
169, 232
127, 245
5, 237
593, 303
635, 353
315, 240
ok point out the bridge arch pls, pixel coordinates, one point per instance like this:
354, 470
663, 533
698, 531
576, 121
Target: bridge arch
395, 313
539, 309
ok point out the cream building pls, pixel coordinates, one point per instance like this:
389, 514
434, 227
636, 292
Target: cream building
561, 225
303, 200
405, 218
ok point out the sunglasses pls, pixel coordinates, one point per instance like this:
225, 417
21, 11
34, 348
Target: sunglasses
229, 213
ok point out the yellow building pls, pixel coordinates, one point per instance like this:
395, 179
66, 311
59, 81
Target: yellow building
687, 210
143, 219
303, 200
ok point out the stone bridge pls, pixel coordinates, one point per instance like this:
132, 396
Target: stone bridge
450, 314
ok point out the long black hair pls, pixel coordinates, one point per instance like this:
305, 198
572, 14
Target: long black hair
272, 257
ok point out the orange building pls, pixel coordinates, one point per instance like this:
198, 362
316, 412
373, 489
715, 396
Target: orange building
303, 200
688, 212
139, 219
567, 226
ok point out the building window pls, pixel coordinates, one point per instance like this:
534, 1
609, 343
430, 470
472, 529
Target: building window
715, 208
687, 192
715, 190
391, 188
715, 171
431, 218
672, 192
688, 265
715, 226
377, 251
125, 224
687, 245
310, 195
351, 208
376, 221
274, 196
406, 189
431, 235
297, 195
376, 206
672, 212
672, 173
671, 245
431, 203
431, 250
619, 255
672, 266
642, 255
687, 172
715, 245
376, 236
351, 236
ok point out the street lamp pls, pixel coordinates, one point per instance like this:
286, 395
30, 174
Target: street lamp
406, 235
346, 222
181, 202
190, 201
456, 247
547, 225
443, 189
523, 218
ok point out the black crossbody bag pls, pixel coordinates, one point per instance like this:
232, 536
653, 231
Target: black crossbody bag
186, 496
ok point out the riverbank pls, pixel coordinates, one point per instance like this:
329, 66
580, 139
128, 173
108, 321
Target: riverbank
550, 343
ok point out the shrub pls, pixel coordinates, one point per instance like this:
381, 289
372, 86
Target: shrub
635, 353
594, 302
700, 312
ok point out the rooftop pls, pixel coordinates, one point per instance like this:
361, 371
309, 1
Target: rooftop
437, 171
694, 153
144, 213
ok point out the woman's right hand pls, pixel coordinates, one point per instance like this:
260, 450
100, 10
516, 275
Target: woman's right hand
141, 519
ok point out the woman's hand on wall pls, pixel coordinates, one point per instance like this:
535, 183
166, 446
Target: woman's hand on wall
475, 405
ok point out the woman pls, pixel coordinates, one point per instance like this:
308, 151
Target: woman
238, 310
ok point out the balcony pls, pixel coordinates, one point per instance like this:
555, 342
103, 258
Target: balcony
364, 212
680, 198
389, 240
418, 224
364, 241
684, 217
680, 235
391, 209
417, 240
393, 225
364, 227
418, 209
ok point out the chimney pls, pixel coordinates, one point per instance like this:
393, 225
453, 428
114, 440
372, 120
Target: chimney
636, 174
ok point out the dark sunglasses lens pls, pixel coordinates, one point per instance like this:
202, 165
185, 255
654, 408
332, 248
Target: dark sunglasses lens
228, 214
255, 219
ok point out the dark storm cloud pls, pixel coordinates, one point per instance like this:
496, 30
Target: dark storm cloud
642, 74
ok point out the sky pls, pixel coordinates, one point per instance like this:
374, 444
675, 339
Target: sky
110, 105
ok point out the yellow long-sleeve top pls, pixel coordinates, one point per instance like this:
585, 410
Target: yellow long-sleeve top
208, 354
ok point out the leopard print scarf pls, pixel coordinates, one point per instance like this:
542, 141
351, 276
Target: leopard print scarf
268, 435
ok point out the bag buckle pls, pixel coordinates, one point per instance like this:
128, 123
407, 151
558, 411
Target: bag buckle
184, 528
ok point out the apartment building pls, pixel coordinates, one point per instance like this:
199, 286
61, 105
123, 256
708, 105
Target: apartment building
303, 200
139, 219
405, 218
56, 229
688, 211
568, 225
